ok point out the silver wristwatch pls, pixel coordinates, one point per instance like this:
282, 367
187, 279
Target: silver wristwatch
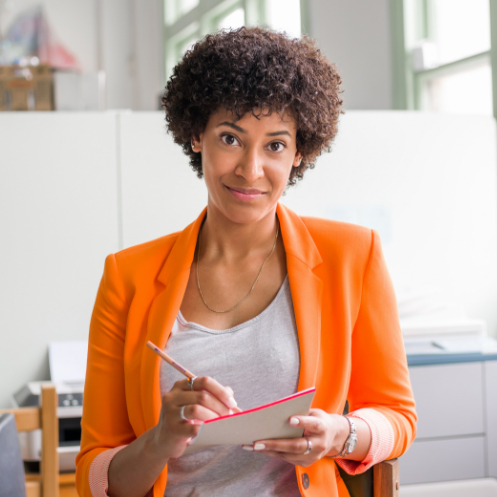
351, 442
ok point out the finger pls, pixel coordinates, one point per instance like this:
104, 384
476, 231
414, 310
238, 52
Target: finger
202, 398
187, 429
225, 395
311, 424
196, 412
293, 446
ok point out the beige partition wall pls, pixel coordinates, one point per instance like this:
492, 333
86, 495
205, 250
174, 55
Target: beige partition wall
58, 221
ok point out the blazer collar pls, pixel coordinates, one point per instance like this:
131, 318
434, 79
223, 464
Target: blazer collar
296, 238
306, 289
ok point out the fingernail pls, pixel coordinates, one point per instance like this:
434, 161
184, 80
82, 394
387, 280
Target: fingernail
294, 421
230, 411
259, 446
232, 402
247, 447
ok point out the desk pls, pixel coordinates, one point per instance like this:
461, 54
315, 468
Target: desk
456, 401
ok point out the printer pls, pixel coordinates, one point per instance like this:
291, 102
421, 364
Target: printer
67, 372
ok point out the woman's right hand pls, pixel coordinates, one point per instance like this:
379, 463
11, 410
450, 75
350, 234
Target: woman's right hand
207, 400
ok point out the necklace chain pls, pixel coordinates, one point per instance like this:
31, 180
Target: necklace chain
255, 282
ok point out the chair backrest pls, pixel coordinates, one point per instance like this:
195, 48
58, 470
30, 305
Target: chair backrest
44, 417
11, 466
382, 480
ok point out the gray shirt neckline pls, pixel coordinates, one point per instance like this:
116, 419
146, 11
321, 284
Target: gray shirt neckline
250, 322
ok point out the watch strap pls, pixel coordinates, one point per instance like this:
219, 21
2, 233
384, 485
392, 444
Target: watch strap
351, 441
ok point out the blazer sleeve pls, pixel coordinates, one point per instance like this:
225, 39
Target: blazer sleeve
379, 374
105, 423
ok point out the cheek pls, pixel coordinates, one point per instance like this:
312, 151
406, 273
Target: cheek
216, 168
279, 176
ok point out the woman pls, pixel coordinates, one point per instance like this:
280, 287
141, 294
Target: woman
257, 301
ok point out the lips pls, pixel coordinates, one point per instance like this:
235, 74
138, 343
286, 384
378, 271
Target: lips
245, 193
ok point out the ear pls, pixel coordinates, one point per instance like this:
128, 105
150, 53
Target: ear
297, 160
196, 143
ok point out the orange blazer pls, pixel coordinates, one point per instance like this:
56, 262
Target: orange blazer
346, 313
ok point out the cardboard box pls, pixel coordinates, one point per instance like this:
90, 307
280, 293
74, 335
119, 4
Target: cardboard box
26, 88
43, 87
21, 93
5, 75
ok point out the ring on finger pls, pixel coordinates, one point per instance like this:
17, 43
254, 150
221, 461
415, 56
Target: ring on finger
182, 414
190, 382
309, 447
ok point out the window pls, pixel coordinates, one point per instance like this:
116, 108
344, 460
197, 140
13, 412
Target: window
443, 56
186, 21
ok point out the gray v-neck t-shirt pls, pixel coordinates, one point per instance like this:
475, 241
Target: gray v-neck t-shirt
260, 361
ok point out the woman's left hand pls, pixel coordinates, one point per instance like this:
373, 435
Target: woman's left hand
327, 434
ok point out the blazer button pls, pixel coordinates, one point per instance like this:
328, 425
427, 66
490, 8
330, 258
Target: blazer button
305, 480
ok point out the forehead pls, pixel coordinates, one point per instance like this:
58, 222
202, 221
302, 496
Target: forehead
261, 120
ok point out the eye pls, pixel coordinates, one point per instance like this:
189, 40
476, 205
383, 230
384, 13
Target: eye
276, 146
229, 139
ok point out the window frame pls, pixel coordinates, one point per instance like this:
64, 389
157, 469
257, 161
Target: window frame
201, 20
407, 83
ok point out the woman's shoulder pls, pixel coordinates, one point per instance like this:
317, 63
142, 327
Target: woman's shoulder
329, 231
347, 244
148, 255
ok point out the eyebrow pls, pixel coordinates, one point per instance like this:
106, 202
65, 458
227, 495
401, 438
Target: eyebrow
241, 130
231, 125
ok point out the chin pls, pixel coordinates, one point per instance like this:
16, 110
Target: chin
245, 214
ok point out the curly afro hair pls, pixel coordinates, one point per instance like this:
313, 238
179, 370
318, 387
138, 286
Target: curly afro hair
249, 69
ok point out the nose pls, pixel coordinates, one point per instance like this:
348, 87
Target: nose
251, 166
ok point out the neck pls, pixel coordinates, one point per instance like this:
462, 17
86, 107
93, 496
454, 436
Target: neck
222, 238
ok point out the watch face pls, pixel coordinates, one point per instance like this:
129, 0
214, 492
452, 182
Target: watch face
352, 444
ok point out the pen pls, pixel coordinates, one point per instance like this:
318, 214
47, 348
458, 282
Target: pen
171, 361
177, 366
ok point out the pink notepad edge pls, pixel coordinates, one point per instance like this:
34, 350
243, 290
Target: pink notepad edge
285, 399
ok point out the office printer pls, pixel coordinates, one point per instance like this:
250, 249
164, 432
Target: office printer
67, 372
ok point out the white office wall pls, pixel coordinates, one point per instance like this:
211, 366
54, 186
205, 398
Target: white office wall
132, 52
58, 221
355, 35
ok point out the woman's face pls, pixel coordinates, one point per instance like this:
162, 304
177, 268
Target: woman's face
247, 162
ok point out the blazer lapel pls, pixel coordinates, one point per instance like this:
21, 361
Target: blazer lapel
302, 256
163, 311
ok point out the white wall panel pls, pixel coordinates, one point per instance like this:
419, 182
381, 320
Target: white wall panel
427, 183
58, 221
160, 192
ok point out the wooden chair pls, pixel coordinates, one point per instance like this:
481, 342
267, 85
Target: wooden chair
44, 418
382, 480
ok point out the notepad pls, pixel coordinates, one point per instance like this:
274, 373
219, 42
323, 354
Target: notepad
261, 423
